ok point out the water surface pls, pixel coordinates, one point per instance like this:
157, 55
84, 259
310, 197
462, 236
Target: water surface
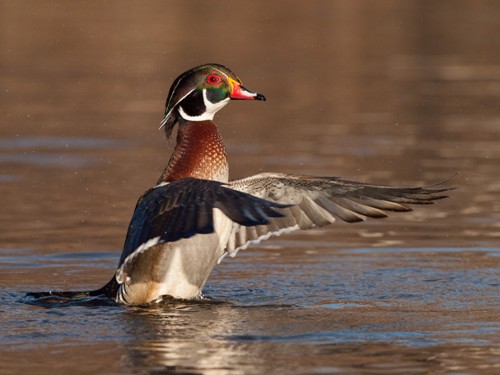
391, 93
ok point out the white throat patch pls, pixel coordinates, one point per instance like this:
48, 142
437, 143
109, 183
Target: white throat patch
211, 109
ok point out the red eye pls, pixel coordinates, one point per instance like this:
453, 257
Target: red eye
213, 79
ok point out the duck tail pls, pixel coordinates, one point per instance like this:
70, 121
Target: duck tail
109, 290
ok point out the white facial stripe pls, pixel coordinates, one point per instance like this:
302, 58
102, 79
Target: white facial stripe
179, 81
164, 121
211, 109
173, 91
203, 117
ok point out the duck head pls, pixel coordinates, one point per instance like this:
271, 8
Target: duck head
197, 94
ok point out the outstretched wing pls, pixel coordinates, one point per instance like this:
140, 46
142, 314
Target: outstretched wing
181, 209
318, 201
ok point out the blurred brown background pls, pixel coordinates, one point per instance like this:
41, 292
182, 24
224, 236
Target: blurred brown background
397, 92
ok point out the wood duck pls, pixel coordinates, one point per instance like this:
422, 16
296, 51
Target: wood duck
194, 216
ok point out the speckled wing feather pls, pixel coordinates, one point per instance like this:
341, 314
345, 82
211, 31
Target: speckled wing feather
318, 201
181, 209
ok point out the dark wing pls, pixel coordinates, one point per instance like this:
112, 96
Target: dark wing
181, 209
318, 201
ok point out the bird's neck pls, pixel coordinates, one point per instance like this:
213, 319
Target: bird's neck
199, 153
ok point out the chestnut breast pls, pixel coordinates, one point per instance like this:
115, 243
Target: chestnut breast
199, 153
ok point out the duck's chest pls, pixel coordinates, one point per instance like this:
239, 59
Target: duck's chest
199, 153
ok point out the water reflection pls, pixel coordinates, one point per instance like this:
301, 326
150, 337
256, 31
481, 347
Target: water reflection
190, 338
224, 338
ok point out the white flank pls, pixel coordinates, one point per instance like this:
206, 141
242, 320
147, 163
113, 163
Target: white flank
146, 245
176, 282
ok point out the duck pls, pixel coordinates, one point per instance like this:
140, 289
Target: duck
195, 215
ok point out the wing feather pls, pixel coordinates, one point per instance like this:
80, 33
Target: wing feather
261, 206
185, 207
317, 201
